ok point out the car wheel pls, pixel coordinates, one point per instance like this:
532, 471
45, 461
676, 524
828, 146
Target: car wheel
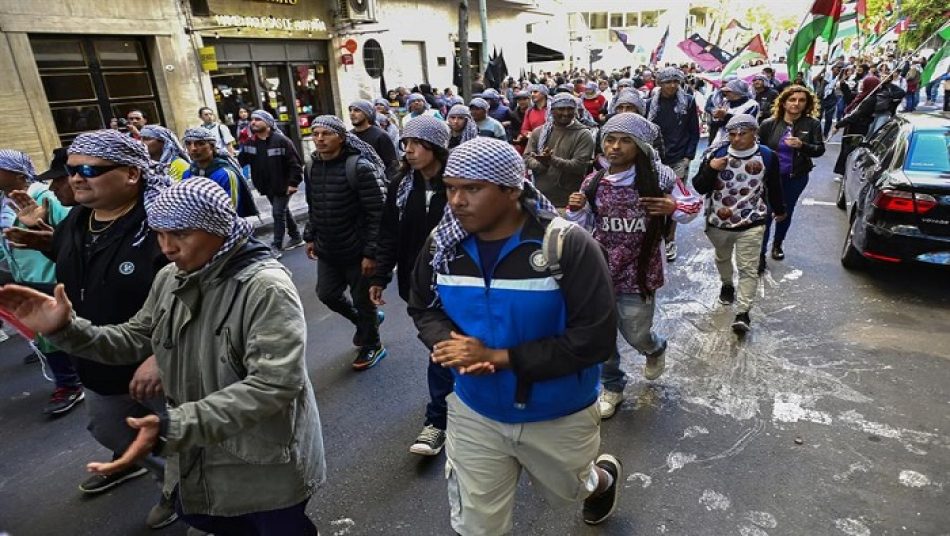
840, 202
851, 258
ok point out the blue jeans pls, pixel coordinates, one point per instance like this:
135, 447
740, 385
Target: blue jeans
792, 188
64, 373
828, 114
636, 326
839, 109
291, 520
441, 384
911, 100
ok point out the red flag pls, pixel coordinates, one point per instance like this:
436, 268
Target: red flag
861, 8
810, 55
829, 8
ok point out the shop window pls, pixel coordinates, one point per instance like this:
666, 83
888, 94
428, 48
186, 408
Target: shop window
633, 19
598, 21
89, 80
58, 54
616, 20
69, 87
373, 58
650, 18
124, 85
120, 53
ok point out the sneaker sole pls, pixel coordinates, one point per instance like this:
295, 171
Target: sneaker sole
724, 302
654, 374
741, 327
173, 518
67, 409
135, 474
294, 246
424, 450
372, 363
618, 485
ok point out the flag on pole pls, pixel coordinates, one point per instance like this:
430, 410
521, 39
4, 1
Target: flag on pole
624, 38
821, 21
754, 49
657, 54
943, 52
705, 54
848, 23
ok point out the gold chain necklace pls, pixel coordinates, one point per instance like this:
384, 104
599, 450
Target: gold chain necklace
112, 221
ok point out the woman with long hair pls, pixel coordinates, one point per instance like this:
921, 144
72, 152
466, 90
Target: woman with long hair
857, 119
794, 134
414, 205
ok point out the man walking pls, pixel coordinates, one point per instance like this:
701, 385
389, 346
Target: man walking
487, 126
525, 392
163, 147
735, 222
276, 170
206, 162
559, 152
674, 111
345, 195
223, 139
764, 96
242, 433
363, 117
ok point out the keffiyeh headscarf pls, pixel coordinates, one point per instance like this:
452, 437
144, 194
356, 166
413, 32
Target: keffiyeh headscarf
479, 102
561, 100
682, 98
171, 148
738, 122
382, 102
430, 129
643, 133
538, 87
18, 162
334, 123
491, 94
366, 107
265, 116
116, 147
199, 134
413, 97
629, 96
471, 129
199, 204
739, 87
489, 160
454, 100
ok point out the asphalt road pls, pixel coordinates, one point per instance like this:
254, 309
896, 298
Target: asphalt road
830, 418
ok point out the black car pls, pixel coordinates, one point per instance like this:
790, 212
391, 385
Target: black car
896, 190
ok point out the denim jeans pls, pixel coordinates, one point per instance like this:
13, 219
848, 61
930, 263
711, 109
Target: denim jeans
441, 384
64, 373
828, 114
636, 326
332, 281
839, 109
283, 219
792, 188
280, 522
911, 100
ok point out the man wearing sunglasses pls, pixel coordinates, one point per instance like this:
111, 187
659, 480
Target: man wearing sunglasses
740, 178
106, 257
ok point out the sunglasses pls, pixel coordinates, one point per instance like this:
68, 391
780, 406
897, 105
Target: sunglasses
90, 172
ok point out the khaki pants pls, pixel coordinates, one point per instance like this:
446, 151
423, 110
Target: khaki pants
747, 245
484, 459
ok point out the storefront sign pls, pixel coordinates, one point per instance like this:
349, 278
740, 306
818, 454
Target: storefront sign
209, 59
271, 23
347, 59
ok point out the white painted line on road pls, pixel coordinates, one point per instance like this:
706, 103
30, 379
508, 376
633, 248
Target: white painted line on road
809, 201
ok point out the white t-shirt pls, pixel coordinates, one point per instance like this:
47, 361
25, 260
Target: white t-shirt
222, 134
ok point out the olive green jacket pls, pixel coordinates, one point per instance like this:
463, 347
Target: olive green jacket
243, 432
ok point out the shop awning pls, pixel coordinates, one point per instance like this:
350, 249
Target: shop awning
538, 53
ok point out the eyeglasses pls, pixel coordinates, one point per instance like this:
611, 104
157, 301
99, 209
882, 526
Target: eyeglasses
90, 172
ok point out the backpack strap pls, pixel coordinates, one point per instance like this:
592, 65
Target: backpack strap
553, 245
591, 191
351, 177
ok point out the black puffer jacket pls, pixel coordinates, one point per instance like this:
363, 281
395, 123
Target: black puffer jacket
343, 223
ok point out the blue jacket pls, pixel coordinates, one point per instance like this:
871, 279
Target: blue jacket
221, 172
556, 332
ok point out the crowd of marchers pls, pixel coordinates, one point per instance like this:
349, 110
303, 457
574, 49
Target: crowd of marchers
525, 228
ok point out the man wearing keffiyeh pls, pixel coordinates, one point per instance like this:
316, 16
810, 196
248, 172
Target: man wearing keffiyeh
462, 125
415, 203
530, 365
345, 196
673, 110
225, 295
559, 152
163, 146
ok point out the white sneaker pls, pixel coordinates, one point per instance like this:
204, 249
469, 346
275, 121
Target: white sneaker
671, 251
3, 336
607, 403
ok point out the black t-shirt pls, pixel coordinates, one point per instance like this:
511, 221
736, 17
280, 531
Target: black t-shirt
379, 140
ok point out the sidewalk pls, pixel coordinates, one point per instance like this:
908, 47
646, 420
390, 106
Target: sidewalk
264, 224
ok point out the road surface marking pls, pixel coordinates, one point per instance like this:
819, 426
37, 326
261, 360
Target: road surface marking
809, 201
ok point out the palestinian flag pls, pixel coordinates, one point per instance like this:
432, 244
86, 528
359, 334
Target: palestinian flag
821, 22
754, 50
943, 52
848, 23
657, 53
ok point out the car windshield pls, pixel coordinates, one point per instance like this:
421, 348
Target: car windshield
929, 152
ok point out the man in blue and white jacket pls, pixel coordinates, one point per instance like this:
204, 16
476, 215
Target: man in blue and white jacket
524, 340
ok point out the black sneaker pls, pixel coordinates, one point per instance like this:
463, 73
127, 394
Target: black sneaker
99, 483
777, 252
742, 324
368, 356
162, 514
762, 264
429, 442
294, 244
63, 400
597, 508
727, 295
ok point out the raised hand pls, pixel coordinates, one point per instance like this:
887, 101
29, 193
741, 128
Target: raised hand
29, 213
40, 238
39, 312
